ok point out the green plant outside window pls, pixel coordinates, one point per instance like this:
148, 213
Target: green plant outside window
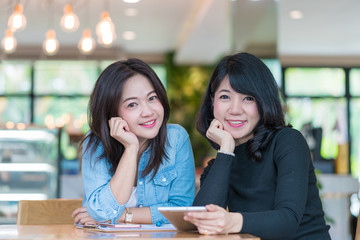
15, 77
315, 82
355, 82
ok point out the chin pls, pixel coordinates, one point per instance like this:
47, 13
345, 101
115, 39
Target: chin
150, 135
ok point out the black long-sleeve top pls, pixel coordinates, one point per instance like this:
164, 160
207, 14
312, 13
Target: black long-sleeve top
278, 196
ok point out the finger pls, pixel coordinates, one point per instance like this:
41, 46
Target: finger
213, 208
89, 220
117, 127
86, 219
205, 222
216, 123
204, 215
81, 216
78, 210
78, 217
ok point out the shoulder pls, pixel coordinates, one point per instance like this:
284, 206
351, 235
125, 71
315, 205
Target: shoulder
176, 131
177, 140
289, 141
93, 144
289, 135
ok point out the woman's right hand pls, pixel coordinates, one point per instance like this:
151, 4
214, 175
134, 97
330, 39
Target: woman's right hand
217, 134
119, 129
81, 215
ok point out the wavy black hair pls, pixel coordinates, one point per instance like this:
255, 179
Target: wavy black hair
250, 76
104, 104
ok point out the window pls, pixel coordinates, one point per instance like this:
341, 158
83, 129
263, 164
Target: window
15, 110
275, 68
65, 77
15, 77
315, 82
354, 88
316, 98
355, 82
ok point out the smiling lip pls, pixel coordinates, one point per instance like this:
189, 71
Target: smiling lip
236, 123
149, 124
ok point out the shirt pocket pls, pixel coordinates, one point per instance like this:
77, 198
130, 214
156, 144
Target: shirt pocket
162, 182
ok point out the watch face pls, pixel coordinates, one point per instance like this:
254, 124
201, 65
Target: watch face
128, 217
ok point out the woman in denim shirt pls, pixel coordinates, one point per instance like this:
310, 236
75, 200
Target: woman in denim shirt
133, 161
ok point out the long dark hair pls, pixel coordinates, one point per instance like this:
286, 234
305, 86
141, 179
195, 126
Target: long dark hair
104, 103
247, 75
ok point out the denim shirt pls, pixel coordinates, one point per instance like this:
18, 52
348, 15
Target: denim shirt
173, 184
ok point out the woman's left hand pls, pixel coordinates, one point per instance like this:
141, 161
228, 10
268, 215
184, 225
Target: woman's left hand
215, 221
81, 215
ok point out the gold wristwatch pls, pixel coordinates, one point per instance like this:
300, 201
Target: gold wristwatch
128, 215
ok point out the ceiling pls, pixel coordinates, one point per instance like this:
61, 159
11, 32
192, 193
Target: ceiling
198, 31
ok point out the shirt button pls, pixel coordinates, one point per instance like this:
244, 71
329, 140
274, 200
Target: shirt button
114, 212
140, 183
164, 179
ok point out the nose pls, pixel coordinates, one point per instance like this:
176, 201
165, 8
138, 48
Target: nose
146, 110
236, 107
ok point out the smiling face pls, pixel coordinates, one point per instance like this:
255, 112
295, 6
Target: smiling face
237, 112
140, 108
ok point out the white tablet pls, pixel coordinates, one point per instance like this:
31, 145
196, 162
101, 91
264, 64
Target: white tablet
175, 215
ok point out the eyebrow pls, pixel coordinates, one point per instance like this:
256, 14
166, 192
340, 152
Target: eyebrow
133, 98
223, 90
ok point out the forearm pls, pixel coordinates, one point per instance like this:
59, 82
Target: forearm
214, 189
140, 215
123, 180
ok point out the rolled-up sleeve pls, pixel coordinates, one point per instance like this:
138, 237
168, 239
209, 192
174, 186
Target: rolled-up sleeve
98, 198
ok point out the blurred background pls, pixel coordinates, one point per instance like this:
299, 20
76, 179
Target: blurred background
52, 52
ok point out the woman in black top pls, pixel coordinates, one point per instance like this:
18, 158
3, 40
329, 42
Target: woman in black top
263, 172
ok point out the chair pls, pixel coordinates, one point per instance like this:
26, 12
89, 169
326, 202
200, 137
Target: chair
46, 212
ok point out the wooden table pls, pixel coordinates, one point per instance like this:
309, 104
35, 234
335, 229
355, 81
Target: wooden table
71, 232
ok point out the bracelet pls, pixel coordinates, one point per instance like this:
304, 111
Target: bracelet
227, 153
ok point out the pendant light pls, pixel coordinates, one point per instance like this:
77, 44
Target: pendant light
9, 43
51, 44
69, 21
17, 20
105, 30
86, 44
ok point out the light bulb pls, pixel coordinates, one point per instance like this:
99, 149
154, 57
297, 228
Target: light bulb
86, 44
107, 39
9, 42
17, 20
69, 21
51, 44
105, 30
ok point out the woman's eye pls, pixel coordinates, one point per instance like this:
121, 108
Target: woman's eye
131, 105
224, 97
152, 98
249, 98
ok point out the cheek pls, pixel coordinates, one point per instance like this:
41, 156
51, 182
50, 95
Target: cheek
255, 113
121, 112
218, 109
160, 109
127, 115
